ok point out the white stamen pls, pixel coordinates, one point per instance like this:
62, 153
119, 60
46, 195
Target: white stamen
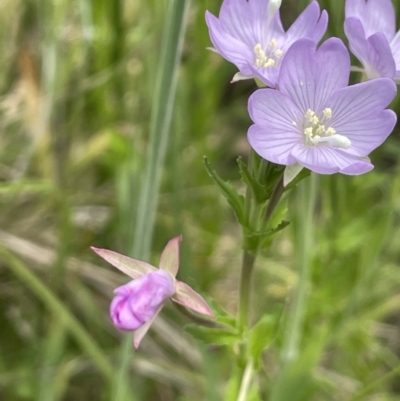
337, 141
278, 53
318, 133
272, 44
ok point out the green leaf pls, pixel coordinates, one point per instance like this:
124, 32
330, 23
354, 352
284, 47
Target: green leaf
262, 238
261, 336
217, 336
260, 192
221, 315
235, 199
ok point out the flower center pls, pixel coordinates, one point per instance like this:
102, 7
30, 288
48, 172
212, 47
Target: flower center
268, 57
318, 130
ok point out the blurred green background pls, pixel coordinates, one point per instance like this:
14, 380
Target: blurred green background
78, 81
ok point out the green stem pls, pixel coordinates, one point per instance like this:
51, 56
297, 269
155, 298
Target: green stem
246, 381
244, 289
303, 228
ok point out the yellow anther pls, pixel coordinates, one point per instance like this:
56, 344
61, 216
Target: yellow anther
314, 120
330, 131
258, 48
308, 131
320, 129
278, 53
309, 114
327, 112
269, 63
272, 44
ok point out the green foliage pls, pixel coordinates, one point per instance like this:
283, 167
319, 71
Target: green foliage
261, 336
77, 89
235, 199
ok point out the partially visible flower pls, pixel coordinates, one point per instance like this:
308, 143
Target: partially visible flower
137, 303
250, 35
370, 28
315, 120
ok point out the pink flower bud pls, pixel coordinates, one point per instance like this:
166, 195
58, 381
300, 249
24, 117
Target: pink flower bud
138, 301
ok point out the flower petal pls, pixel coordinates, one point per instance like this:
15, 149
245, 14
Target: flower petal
275, 131
136, 302
395, 47
380, 55
170, 256
375, 15
309, 76
229, 47
131, 267
142, 330
188, 297
311, 24
323, 159
358, 167
374, 53
248, 22
358, 114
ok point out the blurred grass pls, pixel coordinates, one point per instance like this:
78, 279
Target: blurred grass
77, 91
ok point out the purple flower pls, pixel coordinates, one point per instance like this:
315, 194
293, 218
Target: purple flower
249, 34
315, 120
139, 300
137, 303
370, 28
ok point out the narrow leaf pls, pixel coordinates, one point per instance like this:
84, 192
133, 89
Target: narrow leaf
234, 199
259, 191
215, 336
261, 336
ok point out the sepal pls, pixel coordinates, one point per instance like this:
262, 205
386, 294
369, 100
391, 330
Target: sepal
131, 267
170, 256
189, 298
